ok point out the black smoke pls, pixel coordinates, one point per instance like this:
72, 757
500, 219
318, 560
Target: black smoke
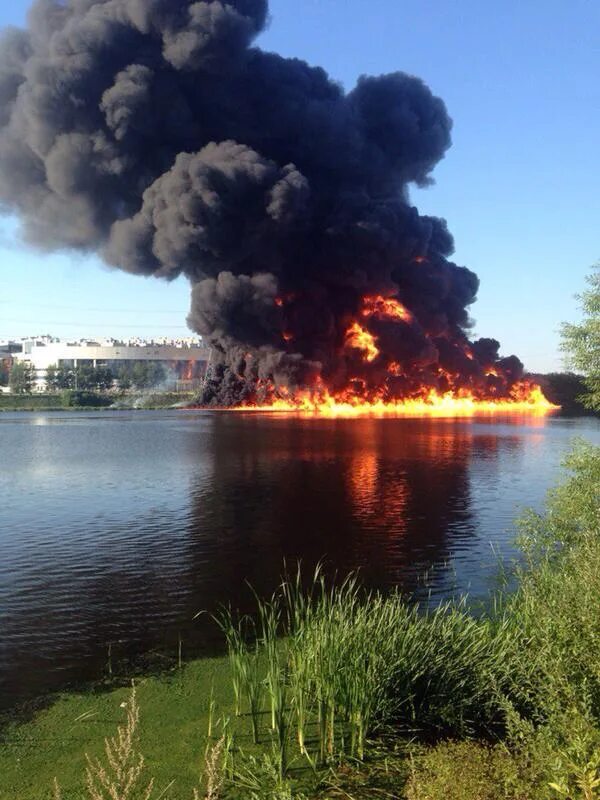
154, 133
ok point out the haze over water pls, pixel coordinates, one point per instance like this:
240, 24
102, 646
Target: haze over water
118, 527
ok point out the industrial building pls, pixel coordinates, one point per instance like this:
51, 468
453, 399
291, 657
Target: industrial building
184, 360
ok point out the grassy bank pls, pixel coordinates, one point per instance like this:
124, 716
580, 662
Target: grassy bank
88, 401
174, 722
335, 693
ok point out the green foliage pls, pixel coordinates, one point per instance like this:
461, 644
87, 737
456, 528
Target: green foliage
84, 378
94, 378
571, 516
4, 372
59, 377
564, 389
141, 374
52, 377
581, 342
21, 377
353, 664
469, 771
72, 398
259, 778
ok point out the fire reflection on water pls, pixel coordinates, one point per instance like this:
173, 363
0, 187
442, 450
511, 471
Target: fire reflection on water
217, 501
375, 500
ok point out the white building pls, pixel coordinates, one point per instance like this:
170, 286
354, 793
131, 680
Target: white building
185, 360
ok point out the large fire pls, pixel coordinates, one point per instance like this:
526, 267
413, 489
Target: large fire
452, 398
526, 398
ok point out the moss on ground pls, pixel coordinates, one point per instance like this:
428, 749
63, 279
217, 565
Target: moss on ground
174, 720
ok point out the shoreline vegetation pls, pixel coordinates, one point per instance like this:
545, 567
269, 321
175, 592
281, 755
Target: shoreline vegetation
563, 389
71, 400
339, 693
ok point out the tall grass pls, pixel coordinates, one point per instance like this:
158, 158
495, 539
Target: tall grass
340, 663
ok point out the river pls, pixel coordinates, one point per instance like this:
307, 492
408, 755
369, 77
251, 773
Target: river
118, 528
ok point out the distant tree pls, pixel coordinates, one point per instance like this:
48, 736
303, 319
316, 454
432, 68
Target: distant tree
84, 378
87, 378
156, 374
124, 378
142, 374
103, 378
65, 377
565, 389
52, 378
21, 378
4, 372
581, 342
139, 375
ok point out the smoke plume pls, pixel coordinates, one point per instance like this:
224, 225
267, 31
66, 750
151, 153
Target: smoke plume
154, 133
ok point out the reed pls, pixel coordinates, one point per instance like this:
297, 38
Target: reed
246, 662
120, 776
237, 651
344, 663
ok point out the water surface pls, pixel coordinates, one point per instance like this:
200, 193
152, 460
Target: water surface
118, 527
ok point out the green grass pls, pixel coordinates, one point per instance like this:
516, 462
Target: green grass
30, 402
61, 402
174, 723
51, 402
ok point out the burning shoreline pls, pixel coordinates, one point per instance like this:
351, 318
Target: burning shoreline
529, 400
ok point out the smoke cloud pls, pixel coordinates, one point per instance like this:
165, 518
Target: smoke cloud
154, 133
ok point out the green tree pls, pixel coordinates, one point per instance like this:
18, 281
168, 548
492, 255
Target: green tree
84, 378
52, 377
4, 371
65, 377
156, 374
145, 374
103, 378
581, 341
21, 378
139, 375
124, 378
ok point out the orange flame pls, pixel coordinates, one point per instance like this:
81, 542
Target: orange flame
360, 339
525, 398
449, 400
385, 307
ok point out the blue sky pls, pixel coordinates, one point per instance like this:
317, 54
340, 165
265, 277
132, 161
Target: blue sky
519, 187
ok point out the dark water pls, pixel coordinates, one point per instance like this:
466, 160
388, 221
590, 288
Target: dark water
118, 527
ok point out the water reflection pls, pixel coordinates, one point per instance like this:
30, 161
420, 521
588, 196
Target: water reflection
121, 527
389, 497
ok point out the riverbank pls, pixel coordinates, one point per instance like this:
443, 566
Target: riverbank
174, 723
88, 401
446, 705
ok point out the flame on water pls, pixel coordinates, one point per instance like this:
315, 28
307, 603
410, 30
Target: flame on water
526, 398
452, 401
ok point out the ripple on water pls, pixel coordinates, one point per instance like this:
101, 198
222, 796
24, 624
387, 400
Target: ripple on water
118, 527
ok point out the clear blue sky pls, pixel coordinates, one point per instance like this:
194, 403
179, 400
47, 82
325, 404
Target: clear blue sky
519, 187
